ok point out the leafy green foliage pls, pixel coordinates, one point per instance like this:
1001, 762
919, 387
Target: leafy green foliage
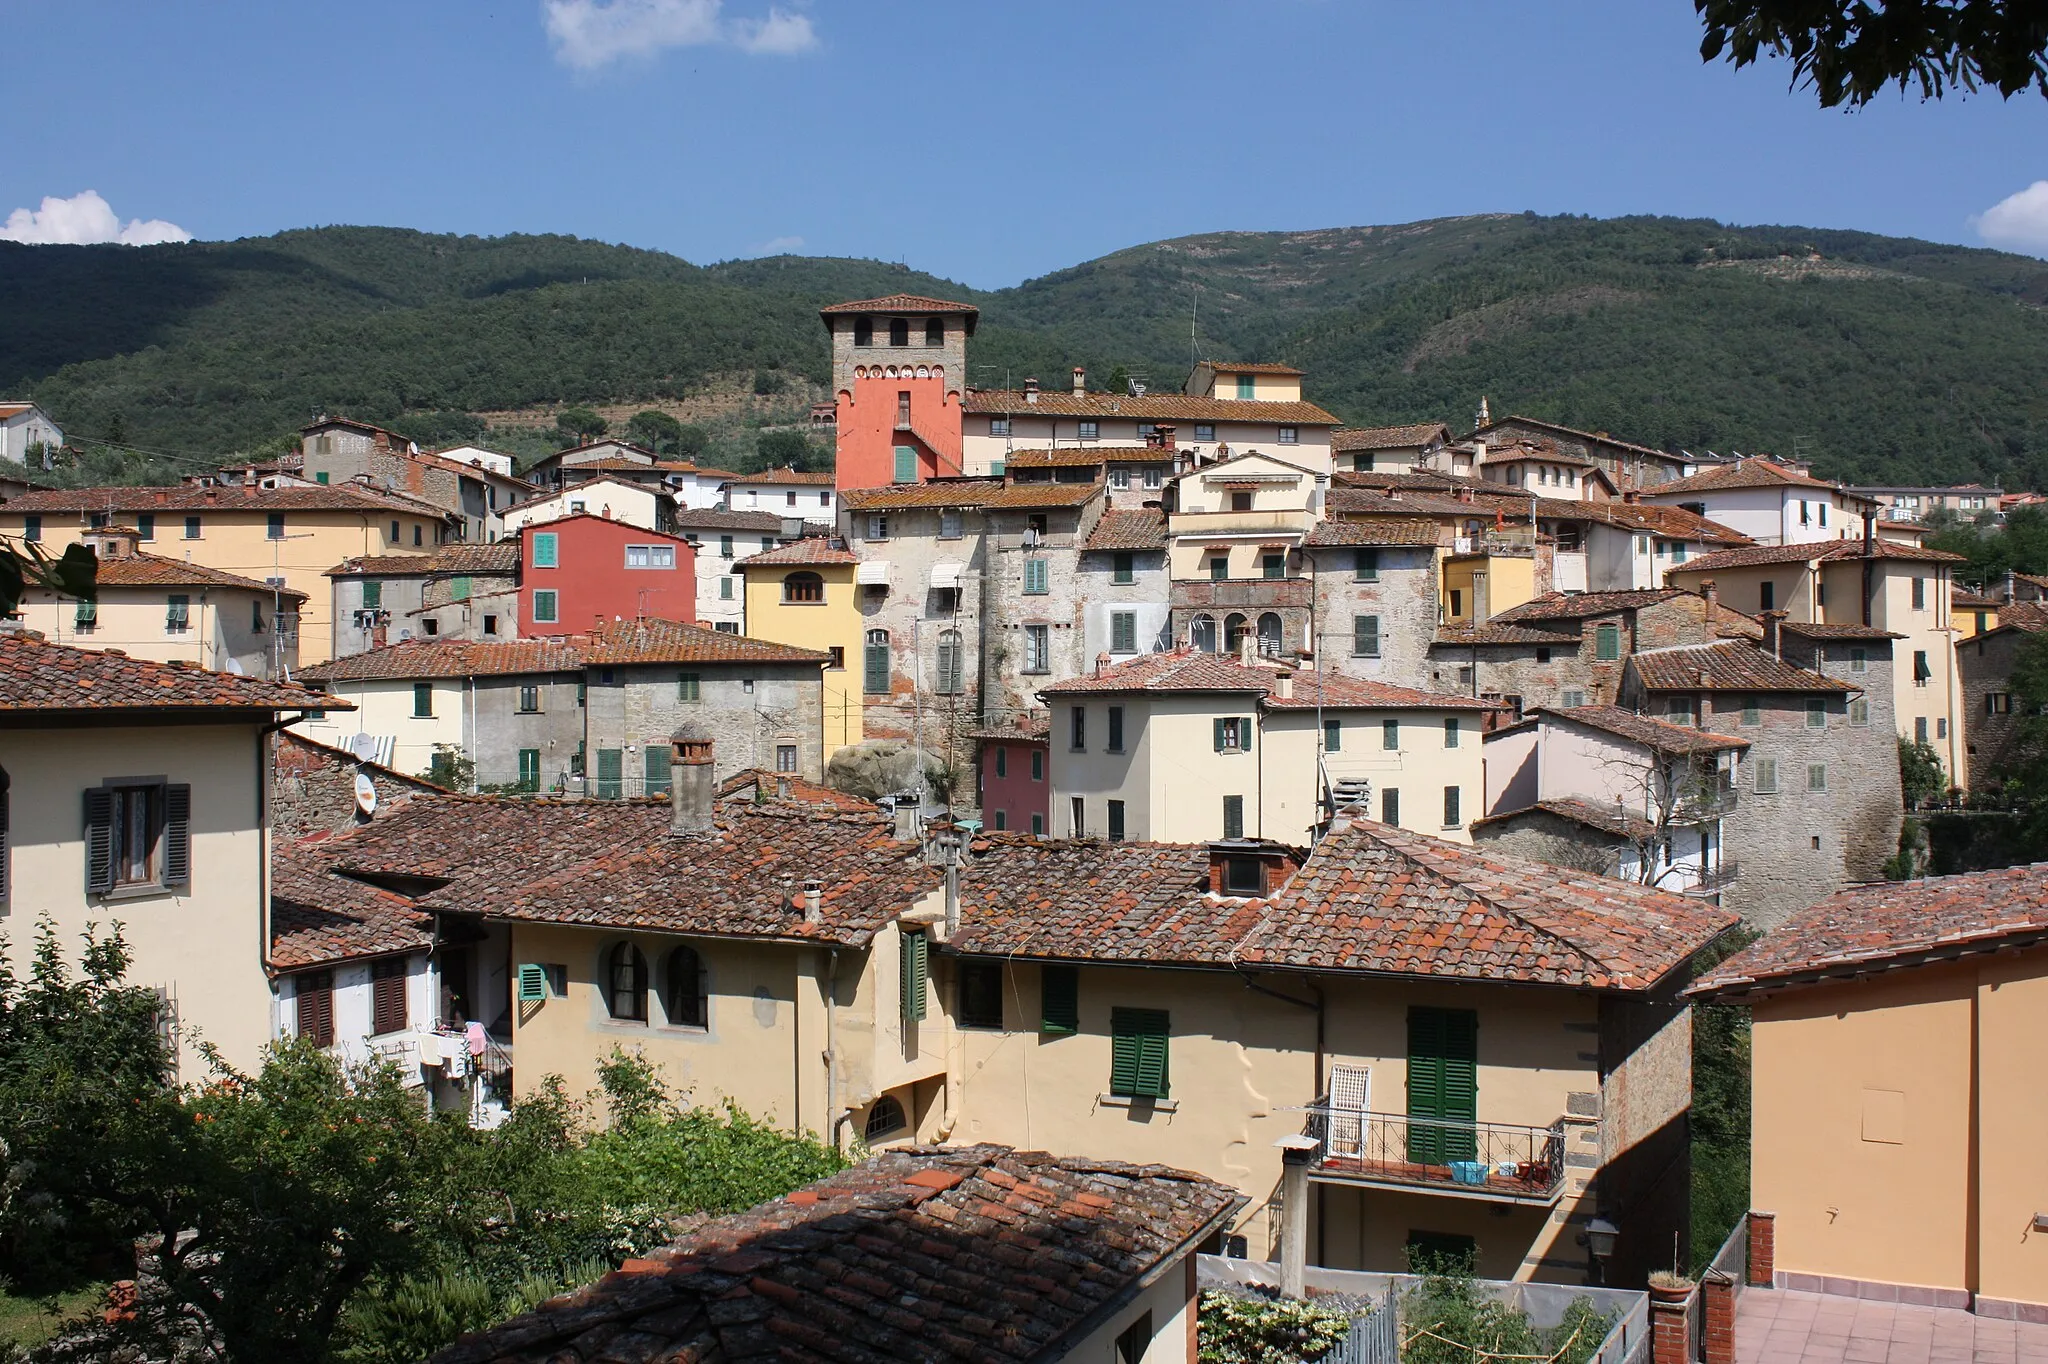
1720, 1108
655, 430
24, 564
1449, 1319
793, 448
1920, 774
579, 425
2020, 545
1850, 51
1234, 1328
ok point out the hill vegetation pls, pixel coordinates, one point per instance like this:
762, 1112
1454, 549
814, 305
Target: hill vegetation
1878, 358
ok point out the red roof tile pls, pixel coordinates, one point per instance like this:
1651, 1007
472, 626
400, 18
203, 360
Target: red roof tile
1469, 636
759, 785
1794, 627
153, 570
319, 917
1823, 551
812, 550
1744, 473
1893, 923
1151, 407
234, 497
786, 474
1082, 456
1389, 531
1195, 671
1580, 605
1730, 666
653, 640
420, 658
1140, 529
499, 556
1657, 735
38, 676
1251, 367
1376, 898
1591, 436
899, 303
990, 493
1608, 819
949, 1256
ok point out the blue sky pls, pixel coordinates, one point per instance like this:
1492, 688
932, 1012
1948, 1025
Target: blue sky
986, 142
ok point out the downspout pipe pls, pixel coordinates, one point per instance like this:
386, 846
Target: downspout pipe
1317, 1004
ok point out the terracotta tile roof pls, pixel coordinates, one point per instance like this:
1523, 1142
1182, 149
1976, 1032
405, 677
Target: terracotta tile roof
319, 917
760, 785
1193, 671
1744, 473
1675, 523
944, 1255
991, 493
1140, 529
899, 303
1088, 900
811, 550
1872, 928
483, 848
424, 658
787, 474
154, 570
1657, 735
1376, 898
1975, 601
36, 675
14, 409
1251, 367
1545, 451
466, 470
745, 879
1152, 407
1592, 436
1081, 456
1346, 499
1387, 531
1793, 627
1608, 819
717, 518
1341, 691
1467, 636
653, 640
1423, 479
1580, 605
499, 556
346, 497
1730, 666
1823, 551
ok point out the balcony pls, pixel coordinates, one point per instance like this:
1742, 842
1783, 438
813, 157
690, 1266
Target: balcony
1706, 881
1704, 805
1491, 1161
1244, 594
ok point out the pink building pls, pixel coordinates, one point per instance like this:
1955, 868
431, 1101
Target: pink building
1016, 785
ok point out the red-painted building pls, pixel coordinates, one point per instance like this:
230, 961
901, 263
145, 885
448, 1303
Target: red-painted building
899, 366
583, 569
1016, 780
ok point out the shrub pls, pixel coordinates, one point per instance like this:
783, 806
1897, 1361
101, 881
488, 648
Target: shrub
1239, 1328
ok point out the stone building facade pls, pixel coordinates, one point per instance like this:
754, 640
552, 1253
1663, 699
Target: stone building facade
1984, 669
458, 592
337, 451
1375, 598
1123, 585
1036, 622
765, 716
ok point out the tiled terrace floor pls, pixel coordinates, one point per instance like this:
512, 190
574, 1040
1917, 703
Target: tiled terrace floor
1781, 1327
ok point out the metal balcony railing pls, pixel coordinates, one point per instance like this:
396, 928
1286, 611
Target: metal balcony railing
1715, 878
1501, 1161
1705, 804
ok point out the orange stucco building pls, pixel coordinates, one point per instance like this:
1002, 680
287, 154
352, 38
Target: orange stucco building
1898, 1111
899, 366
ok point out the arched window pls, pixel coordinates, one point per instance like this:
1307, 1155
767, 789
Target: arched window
935, 333
803, 587
1269, 635
899, 332
951, 669
1202, 633
625, 983
1234, 626
875, 662
863, 332
885, 1119
687, 996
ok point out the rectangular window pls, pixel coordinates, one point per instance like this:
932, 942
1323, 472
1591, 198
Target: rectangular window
1036, 577
1219, 568
1077, 729
529, 698
1002, 762
1390, 805
1333, 736
32, 527
87, 617
145, 526
1919, 729
423, 700
1059, 987
1247, 387
1365, 566
1921, 672
1859, 713
1233, 816
1572, 700
1443, 1082
313, 1001
1607, 643
1116, 821
191, 528
1752, 712
611, 773
1919, 594
275, 525
1365, 636
654, 762
1451, 734
1859, 659
1037, 648
1816, 776
529, 769
1766, 776
1137, 1052
1089, 430
915, 976
689, 687
1135, 1340
725, 588
1290, 435
1154, 476
178, 614
1273, 565
387, 996
1120, 477
1390, 733
1037, 767
1233, 734
648, 556
875, 662
546, 609
949, 524
1451, 820
546, 549
980, 1003
906, 464
1123, 567
373, 595
999, 426
1816, 713
1766, 596
1116, 729
1205, 430
1997, 703
138, 836
1123, 632
1077, 817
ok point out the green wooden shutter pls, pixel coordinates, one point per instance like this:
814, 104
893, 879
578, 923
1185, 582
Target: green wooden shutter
99, 841
373, 595
544, 549
1443, 1082
1138, 1053
177, 845
1244, 734
529, 769
906, 464
654, 764
611, 773
1607, 642
1217, 726
533, 983
915, 974
875, 667
459, 587
1060, 1004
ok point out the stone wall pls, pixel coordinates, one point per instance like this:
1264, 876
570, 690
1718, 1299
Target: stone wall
1542, 836
1402, 594
499, 729
751, 708
313, 788
917, 615
1984, 668
1146, 596
1005, 685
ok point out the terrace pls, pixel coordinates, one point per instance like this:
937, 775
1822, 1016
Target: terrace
1491, 1161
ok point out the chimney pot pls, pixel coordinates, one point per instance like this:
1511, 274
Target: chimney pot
814, 900
1101, 664
692, 781
1031, 390
1773, 636
1283, 685
1712, 592
1080, 379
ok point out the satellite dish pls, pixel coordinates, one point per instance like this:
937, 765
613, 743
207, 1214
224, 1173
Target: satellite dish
235, 667
366, 795
364, 746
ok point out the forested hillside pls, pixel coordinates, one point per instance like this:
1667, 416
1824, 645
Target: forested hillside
1876, 357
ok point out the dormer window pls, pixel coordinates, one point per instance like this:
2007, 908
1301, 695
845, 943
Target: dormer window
1244, 876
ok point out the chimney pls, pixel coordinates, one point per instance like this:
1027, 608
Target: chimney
1247, 649
692, 781
814, 900
1773, 640
163, 495
1101, 664
1712, 592
1283, 685
1031, 390
781, 789
905, 809
1080, 380
212, 497
1630, 495
1163, 436
249, 487
2011, 586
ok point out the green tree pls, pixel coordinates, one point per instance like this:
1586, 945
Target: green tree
690, 441
1920, 774
655, 429
793, 448
1119, 381
580, 424
1849, 51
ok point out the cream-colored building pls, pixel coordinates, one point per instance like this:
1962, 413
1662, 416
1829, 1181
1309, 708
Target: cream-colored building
150, 606
1186, 747
1387, 449
169, 764
1876, 584
648, 506
271, 530
1896, 1106
1771, 503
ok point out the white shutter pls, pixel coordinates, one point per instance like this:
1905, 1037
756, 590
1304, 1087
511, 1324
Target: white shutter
1350, 1088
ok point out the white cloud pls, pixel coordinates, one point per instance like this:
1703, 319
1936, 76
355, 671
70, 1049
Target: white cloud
776, 246
2018, 222
83, 220
588, 34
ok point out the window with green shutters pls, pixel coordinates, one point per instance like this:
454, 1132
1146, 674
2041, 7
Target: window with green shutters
611, 773
689, 687
546, 609
423, 700
1137, 1053
1390, 734
916, 973
529, 769
1607, 642
1233, 734
1365, 636
906, 464
875, 662
1123, 567
654, 756
1451, 731
1443, 1082
1123, 632
1035, 579
1233, 816
459, 587
1365, 567
1059, 989
373, 595
544, 549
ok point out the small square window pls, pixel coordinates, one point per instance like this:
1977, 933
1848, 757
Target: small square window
1090, 430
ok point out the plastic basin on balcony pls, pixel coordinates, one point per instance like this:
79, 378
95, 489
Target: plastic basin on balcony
1468, 1172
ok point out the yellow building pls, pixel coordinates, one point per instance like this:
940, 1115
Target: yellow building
804, 593
169, 764
265, 530
1896, 1103
1973, 613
